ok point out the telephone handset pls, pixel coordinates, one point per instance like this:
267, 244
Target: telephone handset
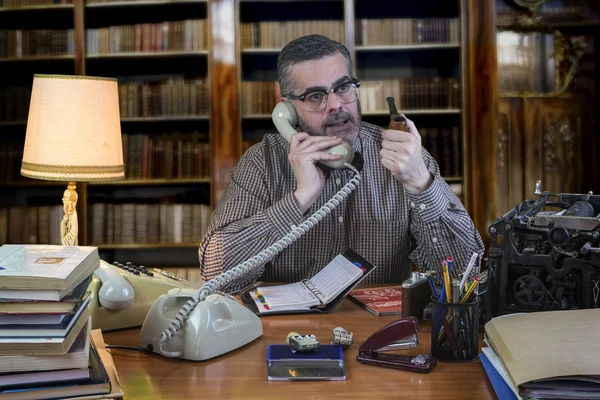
198, 325
123, 294
285, 119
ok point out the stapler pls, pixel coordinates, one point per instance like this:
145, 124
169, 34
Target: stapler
399, 335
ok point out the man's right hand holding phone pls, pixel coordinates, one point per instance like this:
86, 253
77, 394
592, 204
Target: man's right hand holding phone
305, 151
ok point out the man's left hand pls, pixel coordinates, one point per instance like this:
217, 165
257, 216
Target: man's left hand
401, 154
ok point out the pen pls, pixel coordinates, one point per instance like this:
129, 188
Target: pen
432, 285
468, 270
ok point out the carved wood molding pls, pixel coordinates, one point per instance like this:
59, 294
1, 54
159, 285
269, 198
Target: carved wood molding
559, 130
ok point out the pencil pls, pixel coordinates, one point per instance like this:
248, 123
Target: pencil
447, 282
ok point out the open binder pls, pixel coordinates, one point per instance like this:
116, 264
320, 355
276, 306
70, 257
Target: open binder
319, 294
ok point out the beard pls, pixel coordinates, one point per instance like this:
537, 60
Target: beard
347, 135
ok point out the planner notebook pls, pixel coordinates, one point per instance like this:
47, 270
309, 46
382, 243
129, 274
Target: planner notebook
321, 293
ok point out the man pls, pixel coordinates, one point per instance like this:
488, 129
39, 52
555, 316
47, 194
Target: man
402, 210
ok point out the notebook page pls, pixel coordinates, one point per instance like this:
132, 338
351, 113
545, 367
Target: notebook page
293, 294
335, 277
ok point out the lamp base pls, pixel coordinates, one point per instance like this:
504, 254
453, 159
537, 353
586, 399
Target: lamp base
69, 229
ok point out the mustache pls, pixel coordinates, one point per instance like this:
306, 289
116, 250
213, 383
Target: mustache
339, 116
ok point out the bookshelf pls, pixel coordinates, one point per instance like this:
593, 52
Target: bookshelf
225, 65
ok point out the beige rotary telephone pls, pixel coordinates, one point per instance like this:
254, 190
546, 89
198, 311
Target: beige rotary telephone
202, 324
285, 119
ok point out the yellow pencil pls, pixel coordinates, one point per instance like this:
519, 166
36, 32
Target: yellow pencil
469, 292
446, 281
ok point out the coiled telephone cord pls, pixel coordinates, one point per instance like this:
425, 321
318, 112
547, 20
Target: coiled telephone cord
256, 261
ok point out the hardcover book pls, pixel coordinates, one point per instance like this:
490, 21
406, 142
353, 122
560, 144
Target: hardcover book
44, 272
380, 300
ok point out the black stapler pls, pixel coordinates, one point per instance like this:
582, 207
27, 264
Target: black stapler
399, 335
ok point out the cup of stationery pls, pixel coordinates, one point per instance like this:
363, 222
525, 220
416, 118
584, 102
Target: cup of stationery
455, 330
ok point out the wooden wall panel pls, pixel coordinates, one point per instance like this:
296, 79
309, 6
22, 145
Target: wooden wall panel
480, 111
225, 121
509, 157
553, 145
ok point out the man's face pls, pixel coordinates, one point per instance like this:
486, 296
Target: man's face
336, 119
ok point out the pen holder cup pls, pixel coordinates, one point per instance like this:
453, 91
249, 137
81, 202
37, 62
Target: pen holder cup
455, 331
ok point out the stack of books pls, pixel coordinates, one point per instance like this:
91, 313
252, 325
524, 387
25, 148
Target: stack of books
46, 346
544, 355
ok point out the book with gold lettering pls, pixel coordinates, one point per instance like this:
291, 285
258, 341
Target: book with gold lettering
379, 300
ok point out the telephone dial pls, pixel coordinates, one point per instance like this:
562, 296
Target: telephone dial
202, 324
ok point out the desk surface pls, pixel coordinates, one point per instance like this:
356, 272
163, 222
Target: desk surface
243, 372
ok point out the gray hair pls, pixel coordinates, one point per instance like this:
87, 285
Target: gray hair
307, 48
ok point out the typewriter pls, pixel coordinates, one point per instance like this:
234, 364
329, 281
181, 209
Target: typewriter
545, 255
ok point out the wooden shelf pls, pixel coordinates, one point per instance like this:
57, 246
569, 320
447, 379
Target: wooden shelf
134, 246
166, 118
141, 3
173, 118
147, 54
33, 183
453, 179
382, 113
50, 7
38, 58
422, 111
409, 47
151, 182
260, 51
12, 123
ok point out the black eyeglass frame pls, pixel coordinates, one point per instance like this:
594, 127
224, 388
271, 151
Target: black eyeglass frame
302, 97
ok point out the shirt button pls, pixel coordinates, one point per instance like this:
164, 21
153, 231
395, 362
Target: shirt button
434, 240
338, 181
422, 206
341, 219
412, 204
293, 227
452, 205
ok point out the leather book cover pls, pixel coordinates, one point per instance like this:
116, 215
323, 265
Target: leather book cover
380, 300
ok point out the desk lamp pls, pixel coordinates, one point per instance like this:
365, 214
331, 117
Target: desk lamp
73, 135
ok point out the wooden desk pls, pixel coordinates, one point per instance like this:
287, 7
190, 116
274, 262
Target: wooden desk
242, 374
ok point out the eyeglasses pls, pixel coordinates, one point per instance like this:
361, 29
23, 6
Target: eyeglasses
316, 100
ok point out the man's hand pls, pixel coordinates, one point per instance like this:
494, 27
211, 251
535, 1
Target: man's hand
305, 151
401, 154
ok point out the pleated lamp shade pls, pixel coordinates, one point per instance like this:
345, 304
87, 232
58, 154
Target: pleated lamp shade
73, 130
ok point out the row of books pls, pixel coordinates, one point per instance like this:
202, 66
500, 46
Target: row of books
166, 156
186, 35
259, 97
275, 34
410, 93
31, 225
144, 223
175, 155
39, 42
47, 349
14, 103
395, 31
28, 3
173, 96
443, 143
